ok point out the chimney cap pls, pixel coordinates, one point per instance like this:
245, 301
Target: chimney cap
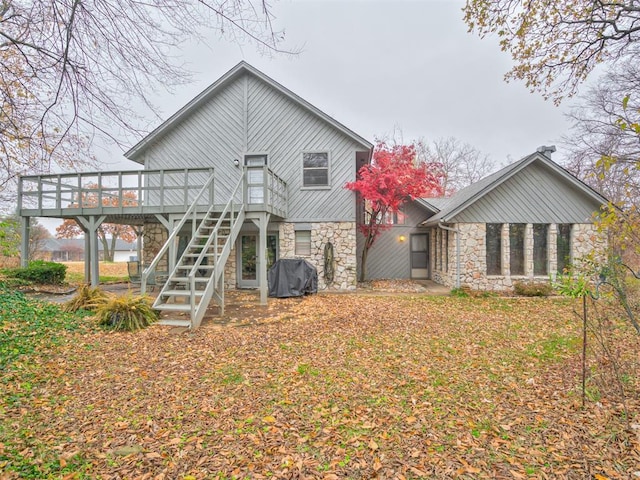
546, 150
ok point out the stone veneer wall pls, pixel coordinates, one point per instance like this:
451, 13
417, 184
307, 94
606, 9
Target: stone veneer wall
585, 239
343, 237
153, 238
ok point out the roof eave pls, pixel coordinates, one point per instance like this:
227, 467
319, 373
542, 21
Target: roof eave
136, 150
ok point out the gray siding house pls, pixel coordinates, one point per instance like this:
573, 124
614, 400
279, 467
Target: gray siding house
248, 172
526, 222
245, 173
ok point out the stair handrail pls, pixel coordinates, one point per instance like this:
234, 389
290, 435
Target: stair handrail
147, 271
227, 207
192, 273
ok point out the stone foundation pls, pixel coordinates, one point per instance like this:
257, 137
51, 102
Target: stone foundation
343, 237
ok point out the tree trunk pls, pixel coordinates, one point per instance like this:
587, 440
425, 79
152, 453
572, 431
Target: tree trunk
363, 263
105, 247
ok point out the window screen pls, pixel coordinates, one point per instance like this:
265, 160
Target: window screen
516, 244
303, 242
540, 249
563, 245
315, 169
494, 248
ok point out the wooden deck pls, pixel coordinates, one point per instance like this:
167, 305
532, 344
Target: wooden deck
135, 197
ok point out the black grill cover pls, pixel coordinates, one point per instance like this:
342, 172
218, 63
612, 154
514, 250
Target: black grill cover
292, 277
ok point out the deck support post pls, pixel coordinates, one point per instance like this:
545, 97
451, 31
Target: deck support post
90, 226
261, 222
25, 231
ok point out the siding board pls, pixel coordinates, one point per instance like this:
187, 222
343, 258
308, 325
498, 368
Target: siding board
388, 258
535, 195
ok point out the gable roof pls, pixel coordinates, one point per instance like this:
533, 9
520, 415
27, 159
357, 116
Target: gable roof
236, 72
452, 206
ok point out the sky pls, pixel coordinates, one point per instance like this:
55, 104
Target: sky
385, 66
380, 66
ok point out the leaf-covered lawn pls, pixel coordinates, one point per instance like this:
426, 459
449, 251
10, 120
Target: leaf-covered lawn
332, 386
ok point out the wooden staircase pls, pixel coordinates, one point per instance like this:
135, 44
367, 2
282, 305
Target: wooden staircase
199, 273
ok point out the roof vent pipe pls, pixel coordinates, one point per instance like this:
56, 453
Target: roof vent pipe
546, 150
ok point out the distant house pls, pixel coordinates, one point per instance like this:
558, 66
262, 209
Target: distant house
72, 250
526, 222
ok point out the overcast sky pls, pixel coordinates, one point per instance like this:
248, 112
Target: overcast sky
374, 66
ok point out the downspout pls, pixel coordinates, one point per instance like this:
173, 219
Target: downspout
457, 232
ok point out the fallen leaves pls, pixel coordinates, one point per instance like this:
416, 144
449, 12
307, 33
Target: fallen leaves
336, 386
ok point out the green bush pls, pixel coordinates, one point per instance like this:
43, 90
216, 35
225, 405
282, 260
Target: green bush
126, 313
40, 272
532, 289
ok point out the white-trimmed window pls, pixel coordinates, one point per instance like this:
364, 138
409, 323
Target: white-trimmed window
303, 242
315, 169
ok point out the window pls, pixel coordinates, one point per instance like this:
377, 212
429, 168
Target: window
255, 177
516, 245
391, 217
494, 248
303, 242
540, 249
563, 246
315, 169
394, 217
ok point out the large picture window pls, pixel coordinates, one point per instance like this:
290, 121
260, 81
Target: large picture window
540, 258
494, 248
315, 169
563, 246
516, 246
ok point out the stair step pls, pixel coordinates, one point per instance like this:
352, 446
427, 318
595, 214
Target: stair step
189, 267
186, 279
197, 293
174, 322
196, 255
174, 307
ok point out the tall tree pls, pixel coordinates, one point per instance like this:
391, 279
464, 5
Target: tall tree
462, 164
556, 45
393, 178
108, 233
10, 237
596, 137
74, 69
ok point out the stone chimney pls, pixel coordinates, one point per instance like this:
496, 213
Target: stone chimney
547, 150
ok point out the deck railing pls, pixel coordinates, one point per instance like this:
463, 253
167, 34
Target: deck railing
265, 191
144, 191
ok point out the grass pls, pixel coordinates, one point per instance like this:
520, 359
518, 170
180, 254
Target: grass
340, 386
110, 272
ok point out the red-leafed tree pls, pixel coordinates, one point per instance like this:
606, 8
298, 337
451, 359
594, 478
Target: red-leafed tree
108, 233
393, 178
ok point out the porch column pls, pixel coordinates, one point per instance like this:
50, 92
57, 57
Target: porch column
25, 232
262, 221
90, 226
87, 256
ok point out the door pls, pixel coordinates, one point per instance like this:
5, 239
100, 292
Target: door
420, 256
248, 264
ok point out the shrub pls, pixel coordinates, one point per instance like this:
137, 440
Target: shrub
462, 292
86, 298
41, 272
532, 289
126, 313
